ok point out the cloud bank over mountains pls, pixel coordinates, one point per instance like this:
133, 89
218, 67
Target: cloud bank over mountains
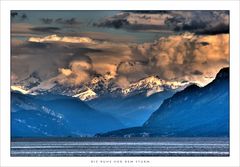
196, 47
183, 57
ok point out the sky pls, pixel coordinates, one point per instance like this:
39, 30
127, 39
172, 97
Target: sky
71, 47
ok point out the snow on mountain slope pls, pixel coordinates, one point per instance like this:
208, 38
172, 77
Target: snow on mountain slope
131, 105
99, 86
87, 95
153, 85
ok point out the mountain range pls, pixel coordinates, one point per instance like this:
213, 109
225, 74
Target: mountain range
168, 110
195, 111
131, 105
100, 85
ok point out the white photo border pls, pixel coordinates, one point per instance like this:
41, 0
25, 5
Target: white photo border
5, 158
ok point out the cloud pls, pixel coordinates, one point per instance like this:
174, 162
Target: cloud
56, 38
115, 23
105, 36
149, 11
45, 58
135, 21
132, 70
16, 42
14, 14
122, 82
65, 72
28, 30
105, 68
18, 16
24, 16
45, 29
199, 22
46, 20
196, 72
71, 21
21, 29
77, 73
183, 57
14, 77
218, 29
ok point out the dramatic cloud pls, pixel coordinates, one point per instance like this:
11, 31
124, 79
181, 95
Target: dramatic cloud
135, 21
200, 22
185, 57
193, 49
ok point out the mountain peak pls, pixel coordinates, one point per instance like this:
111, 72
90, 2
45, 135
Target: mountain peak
86, 95
153, 84
191, 87
223, 73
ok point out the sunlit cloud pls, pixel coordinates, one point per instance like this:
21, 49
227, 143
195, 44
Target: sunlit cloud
195, 48
190, 57
56, 38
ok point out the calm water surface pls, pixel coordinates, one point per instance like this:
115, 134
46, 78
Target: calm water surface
120, 147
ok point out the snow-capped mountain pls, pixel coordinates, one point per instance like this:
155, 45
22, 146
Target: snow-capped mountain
86, 95
151, 85
100, 85
134, 104
97, 87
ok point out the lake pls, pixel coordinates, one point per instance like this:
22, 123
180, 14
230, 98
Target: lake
90, 147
